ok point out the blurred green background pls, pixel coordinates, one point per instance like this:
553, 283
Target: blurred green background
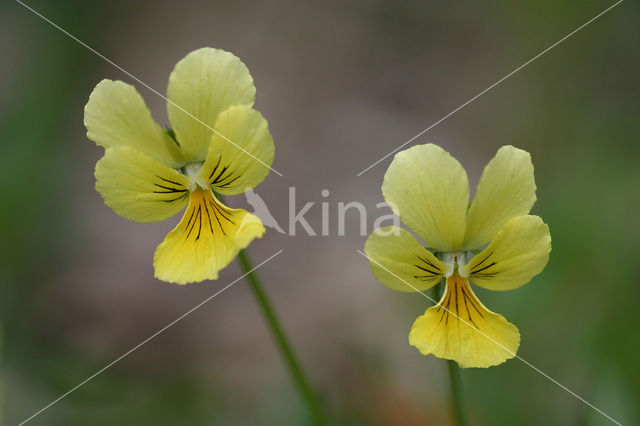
341, 83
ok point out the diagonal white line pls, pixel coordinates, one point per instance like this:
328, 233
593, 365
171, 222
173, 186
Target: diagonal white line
147, 339
148, 87
497, 343
492, 86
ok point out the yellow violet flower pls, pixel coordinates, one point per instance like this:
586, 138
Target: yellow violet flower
428, 189
146, 175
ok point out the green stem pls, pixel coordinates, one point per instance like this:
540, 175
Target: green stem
456, 392
299, 378
455, 383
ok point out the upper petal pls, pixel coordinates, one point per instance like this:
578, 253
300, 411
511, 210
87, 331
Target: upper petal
116, 115
506, 189
518, 252
139, 188
461, 328
206, 240
232, 168
428, 189
202, 85
400, 262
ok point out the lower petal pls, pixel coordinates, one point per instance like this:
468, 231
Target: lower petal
206, 240
461, 328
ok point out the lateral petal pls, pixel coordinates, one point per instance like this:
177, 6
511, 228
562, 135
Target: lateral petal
518, 252
400, 262
233, 168
203, 84
506, 189
461, 328
117, 116
138, 187
428, 189
206, 240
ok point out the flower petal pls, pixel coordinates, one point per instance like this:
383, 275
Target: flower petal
206, 240
461, 328
138, 187
518, 252
234, 168
202, 85
400, 262
506, 189
428, 189
116, 115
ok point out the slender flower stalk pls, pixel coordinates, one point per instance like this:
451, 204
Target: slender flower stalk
302, 384
456, 392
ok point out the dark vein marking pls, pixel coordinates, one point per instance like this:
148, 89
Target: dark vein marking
219, 223
193, 225
224, 169
464, 297
170, 181
190, 217
484, 260
434, 273
208, 217
167, 187
445, 309
221, 179
456, 290
222, 212
485, 275
475, 271
168, 190
200, 223
176, 199
446, 319
473, 302
215, 168
424, 277
226, 185
428, 263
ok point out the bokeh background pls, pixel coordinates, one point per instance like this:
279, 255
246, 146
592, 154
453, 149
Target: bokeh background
341, 83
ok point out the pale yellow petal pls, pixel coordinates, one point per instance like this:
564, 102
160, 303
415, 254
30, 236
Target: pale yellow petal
116, 116
233, 168
400, 262
202, 85
506, 189
206, 240
518, 252
428, 189
138, 187
461, 328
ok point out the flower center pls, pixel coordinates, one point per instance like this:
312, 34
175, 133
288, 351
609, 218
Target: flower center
193, 171
455, 261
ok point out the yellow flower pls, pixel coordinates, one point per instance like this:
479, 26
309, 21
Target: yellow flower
428, 189
148, 175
